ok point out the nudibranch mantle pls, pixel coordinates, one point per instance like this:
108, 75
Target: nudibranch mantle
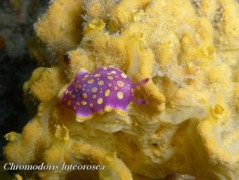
107, 89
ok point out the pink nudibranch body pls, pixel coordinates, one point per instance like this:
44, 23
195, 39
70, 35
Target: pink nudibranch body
107, 89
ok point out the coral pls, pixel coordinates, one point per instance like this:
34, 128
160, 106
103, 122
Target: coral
189, 49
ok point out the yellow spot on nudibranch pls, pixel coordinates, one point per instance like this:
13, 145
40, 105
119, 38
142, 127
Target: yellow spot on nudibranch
97, 75
123, 75
94, 96
91, 105
110, 77
100, 83
84, 95
94, 89
99, 101
86, 76
83, 103
90, 81
107, 92
120, 83
109, 85
120, 95
113, 72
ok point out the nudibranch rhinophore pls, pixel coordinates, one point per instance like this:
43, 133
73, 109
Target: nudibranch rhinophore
107, 89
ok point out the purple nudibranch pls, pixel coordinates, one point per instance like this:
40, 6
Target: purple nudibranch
105, 90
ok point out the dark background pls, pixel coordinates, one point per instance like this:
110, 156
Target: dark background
16, 63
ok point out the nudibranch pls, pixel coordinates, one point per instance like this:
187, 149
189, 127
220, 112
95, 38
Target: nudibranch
107, 89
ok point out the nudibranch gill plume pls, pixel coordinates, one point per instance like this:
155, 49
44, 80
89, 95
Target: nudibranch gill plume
107, 89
